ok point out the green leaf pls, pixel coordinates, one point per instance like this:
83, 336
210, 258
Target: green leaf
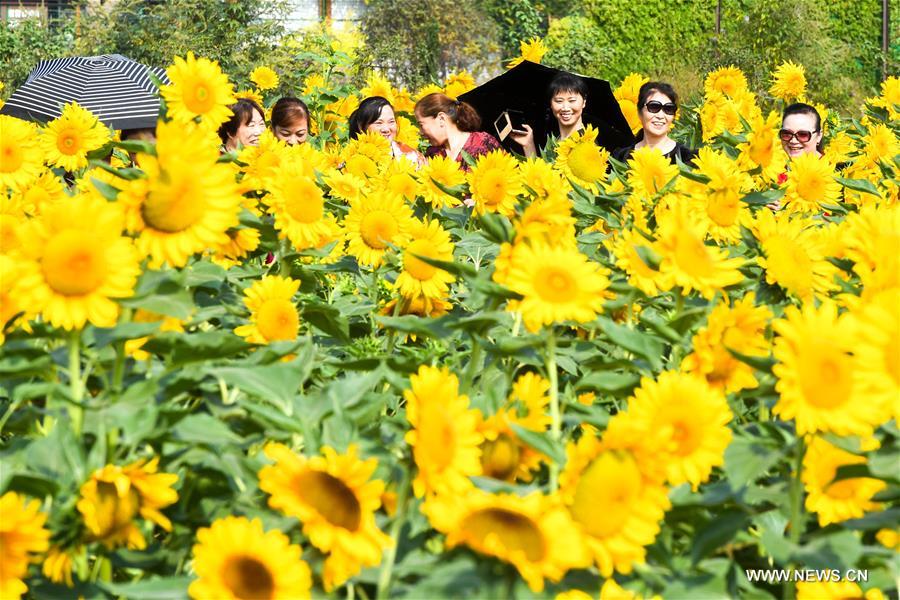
643, 344
760, 363
747, 458
204, 429
413, 324
878, 520
196, 347
496, 227
717, 532
608, 381
106, 190
277, 383
763, 198
542, 442
167, 588
459, 269
327, 319
862, 186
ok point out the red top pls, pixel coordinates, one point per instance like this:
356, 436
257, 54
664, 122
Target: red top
479, 143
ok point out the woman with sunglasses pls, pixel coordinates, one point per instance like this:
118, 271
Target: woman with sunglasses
801, 130
657, 105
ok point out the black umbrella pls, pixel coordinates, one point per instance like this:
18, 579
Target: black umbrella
524, 88
116, 89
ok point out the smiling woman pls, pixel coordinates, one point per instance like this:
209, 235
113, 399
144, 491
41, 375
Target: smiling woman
244, 127
657, 106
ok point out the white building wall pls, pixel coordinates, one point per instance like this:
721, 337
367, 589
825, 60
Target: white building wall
344, 13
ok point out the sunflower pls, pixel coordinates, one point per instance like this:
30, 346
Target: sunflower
835, 590
76, 264
374, 222
39, 193
614, 490
335, 499
793, 255
810, 184
444, 437
495, 183
378, 85
548, 220
241, 241
22, 535
235, 559
721, 196
264, 78
345, 186
725, 80
541, 179
836, 501
580, 159
446, 172
688, 262
273, 314
627, 96
198, 89
641, 275
250, 95
263, 162
21, 158
531, 50
533, 533
557, 284
166, 323
457, 84
312, 83
59, 563
67, 139
788, 81
12, 313
407, 133
418, 278
872, 236
740, 327
817, 383
114, 496
649, 171
671, 406
762, 150
881, 144
399, 179
298, 205
877, 348
191, 201
890, 97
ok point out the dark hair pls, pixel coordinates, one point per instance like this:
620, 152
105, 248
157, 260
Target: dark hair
655, 86
799, 108
242, 113
567, 82
462, 114
368, 112
289, 110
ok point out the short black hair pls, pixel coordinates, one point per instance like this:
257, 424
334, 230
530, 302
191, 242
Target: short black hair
801, 108
567, 82
368, 112
242, 113
656, 86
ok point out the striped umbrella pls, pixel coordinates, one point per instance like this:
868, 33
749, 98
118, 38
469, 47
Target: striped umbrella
116, 89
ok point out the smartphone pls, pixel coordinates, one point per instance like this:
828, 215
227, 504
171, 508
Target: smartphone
509, 121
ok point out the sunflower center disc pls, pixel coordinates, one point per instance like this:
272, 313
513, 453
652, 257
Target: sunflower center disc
515, 532
74, 264
378, 228
248, 579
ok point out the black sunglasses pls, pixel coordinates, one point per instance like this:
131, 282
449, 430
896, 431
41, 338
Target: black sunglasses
802, 136
654, 106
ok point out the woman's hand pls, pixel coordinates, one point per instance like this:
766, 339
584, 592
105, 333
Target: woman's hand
526, 140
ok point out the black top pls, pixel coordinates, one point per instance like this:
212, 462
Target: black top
680, 150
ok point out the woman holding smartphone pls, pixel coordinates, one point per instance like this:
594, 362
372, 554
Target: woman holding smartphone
568, 99
657, 105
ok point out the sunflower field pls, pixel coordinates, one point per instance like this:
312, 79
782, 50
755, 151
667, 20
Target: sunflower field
315, 371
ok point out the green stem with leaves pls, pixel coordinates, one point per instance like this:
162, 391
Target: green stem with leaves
798, 518
390, 555
76, 385
555, 421
474, 365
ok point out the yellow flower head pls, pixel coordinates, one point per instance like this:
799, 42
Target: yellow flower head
876, 350
817, 382
890, 97
264, 78
542, 179
582, 160
335, 498
835, 590
532, 50
22, 535
763, 149
649, 171
495, 183
872, 236
720, 198
235, 559
810, 184
273, 315
458, 84
443, 170
836, 501
41, 192
549, 220
198, 89
378, 85
78, 263
881, 145
189, 201
788, 81
115, 496
67, 139
21, 158
687, 261
418, 278
533, 533
641, 274
557, 284
627, 96
725, 80
253, 95
444, 435
373, 223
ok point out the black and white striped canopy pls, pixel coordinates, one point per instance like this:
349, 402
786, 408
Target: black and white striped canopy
116, 89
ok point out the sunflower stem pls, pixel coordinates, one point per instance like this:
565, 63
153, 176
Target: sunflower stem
555, 423
284, 265
76, 386
474, 365
384, 578
796, 498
